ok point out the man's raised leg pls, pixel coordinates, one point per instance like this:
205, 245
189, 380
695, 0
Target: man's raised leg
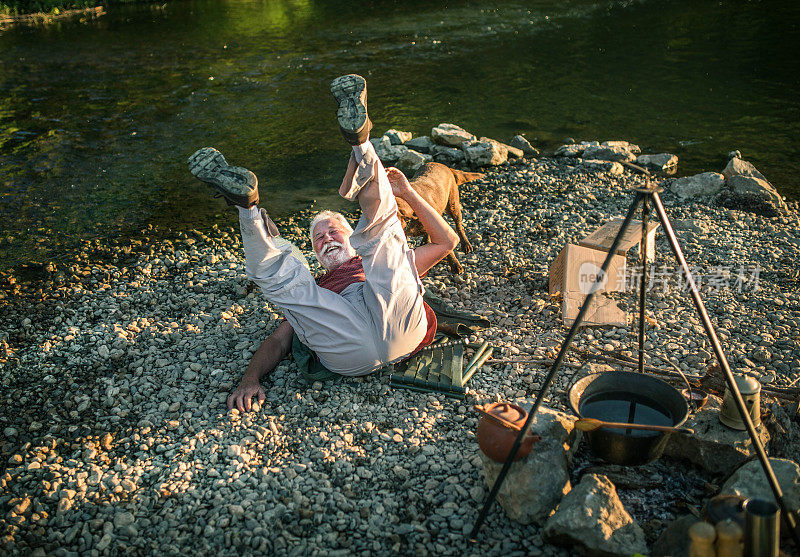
393, 290
324, 321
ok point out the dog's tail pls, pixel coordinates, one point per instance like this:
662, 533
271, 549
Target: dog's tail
462, 177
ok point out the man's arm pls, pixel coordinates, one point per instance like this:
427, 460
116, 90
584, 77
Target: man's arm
274, 349
443, 239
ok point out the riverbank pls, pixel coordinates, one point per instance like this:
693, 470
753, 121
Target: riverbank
115, 371
39, 18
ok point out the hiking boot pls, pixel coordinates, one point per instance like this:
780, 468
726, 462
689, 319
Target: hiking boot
350, 92
237, 185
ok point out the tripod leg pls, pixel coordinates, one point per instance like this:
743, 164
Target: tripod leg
554, 369
723, 362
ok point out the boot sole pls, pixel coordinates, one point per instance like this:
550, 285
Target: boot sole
236, 184
350, 91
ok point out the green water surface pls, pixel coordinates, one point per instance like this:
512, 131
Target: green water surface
97, 119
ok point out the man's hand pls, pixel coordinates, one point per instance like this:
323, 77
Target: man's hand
241, 397
400, 185
274, 348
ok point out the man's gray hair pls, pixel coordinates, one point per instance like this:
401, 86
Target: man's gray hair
323, 215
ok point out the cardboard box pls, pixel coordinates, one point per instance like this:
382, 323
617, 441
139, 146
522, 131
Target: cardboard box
603, 311
576, 266
603, 237
574, 273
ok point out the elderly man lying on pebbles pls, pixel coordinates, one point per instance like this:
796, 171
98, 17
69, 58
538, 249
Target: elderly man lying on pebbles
367, 310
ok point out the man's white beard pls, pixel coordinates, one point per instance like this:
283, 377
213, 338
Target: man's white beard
330, 257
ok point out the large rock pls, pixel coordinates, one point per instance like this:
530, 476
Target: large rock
632, 147
388, 153
448, 155
662, 161
714, 447
411, 161
421, 144
397, 137
750, 481
570, 150
609, 153
758, 192
450, 135
512, 152
485, 153
592, 516
699, 186
604, 166
535, 485
524, 145
738, 167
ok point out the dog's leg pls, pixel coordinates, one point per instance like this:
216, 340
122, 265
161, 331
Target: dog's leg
454, 210
455, 266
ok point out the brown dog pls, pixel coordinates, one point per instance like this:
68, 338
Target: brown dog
438, 185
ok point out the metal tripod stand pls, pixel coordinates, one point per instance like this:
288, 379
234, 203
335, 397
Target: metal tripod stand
647, 196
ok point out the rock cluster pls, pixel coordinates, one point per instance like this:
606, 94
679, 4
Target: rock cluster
594, 154
115, 367
740, 185
448, 144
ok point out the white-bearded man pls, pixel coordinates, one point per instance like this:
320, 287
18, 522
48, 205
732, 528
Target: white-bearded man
367, 309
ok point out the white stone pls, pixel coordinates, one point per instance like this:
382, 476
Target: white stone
397, 137
700, 186
485, 153
411, 161
661, 161
592, 516
609, 153
450, 135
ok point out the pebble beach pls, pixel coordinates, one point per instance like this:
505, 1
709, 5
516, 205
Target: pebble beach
115, 368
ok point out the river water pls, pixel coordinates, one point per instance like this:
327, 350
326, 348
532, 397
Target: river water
98, 118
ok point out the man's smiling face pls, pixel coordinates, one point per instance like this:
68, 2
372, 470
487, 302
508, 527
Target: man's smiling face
332, 244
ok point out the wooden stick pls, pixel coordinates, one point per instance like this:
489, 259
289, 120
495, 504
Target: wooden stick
590, 424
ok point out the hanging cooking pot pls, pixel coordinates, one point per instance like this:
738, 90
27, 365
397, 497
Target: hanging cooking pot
498, 428
628, 397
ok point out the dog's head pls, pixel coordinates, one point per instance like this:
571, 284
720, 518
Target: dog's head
408, 220
412, 227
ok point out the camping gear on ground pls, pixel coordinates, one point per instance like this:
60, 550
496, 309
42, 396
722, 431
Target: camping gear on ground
724, 507
696, 398
701, 540
761, 528
646, 197
438, 368
590, 424
751, 393
628, 397
498, 427
452, 321
729, 539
